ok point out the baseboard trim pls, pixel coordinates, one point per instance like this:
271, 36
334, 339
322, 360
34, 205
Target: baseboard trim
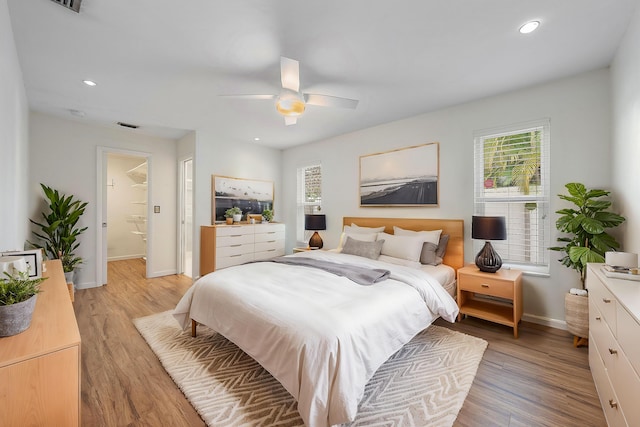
125, 257
163, 273
546, 321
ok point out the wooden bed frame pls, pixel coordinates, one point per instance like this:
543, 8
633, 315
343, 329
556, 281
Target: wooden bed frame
454, 257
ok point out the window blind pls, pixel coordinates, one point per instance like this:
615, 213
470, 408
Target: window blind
511, 179
309, 198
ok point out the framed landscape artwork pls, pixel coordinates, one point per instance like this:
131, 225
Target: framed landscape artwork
403, 177
251, 196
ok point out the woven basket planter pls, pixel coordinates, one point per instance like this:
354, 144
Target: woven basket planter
576, 313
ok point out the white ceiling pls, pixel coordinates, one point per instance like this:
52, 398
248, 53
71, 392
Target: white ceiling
161, 64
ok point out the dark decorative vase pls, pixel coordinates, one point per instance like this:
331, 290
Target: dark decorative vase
488, 259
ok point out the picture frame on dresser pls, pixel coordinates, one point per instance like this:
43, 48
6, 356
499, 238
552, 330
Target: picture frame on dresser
406, 176
252, 196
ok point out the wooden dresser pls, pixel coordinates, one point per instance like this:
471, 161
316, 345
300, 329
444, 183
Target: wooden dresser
614, 345
40, 368
226, 245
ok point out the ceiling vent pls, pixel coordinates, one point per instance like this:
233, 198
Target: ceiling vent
69, 4
128, 125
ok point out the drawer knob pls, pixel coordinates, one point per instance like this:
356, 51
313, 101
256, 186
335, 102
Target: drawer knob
613, 351
606, 300
598, 318
484, 285
613, 404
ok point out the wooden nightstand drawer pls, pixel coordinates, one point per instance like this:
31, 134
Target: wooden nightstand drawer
496, 288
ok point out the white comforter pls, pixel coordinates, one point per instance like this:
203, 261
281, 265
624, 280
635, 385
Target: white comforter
322, 336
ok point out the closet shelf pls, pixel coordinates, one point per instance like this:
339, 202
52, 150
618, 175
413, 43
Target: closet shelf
138, 174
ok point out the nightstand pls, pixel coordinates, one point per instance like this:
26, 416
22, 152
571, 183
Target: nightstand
301, 249
475, 289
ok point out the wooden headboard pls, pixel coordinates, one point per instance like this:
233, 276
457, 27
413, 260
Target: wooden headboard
454, 257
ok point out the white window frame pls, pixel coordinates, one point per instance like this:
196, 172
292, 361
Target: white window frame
305, 206
511, 250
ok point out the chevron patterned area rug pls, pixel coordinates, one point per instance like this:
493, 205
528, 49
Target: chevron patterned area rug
423, 384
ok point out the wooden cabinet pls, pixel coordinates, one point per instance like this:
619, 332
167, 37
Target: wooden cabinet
40, 368
224, 245
614, 348
475, 289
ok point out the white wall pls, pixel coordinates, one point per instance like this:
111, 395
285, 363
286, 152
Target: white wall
124, 212
578, 108
14, 142
250, 161
63, 155
625, 77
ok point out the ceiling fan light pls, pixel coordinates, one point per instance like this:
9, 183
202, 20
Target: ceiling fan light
290, 104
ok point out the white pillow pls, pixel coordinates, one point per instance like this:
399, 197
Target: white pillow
353, 228
405, 247
428, 236
370, 237
400, 261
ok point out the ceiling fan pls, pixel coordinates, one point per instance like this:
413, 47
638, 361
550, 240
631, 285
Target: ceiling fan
290, 102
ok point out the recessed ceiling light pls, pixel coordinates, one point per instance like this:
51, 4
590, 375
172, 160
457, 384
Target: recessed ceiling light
529, 27
89, 82
256, 139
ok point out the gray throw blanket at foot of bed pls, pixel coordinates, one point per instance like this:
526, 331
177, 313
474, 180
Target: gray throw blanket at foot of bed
360, 275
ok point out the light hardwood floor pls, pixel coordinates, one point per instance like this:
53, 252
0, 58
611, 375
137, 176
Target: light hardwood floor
536, 380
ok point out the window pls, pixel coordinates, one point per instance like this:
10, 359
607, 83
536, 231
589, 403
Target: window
309, 197
512, 180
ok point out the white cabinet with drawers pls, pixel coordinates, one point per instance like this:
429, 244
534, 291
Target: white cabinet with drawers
226, 245
614, 348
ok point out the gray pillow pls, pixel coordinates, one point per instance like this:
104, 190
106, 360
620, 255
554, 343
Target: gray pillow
442, 245
428, 255
432, 254
364, 249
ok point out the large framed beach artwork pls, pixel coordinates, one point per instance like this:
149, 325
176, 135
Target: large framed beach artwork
250, 195
403, 177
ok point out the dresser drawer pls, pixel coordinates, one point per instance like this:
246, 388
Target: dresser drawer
233, 240
228, 261
608, 398
233, 230
269, 236
269, 246
270, 227
605, 302
232, 250
269, 253
496, 288
629, 338
627, 385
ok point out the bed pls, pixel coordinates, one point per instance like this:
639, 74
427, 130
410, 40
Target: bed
322, 335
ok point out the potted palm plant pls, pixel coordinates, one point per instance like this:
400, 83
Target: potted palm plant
58, 232
18, 294
585, 241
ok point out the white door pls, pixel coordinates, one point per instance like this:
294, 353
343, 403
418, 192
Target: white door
186, 217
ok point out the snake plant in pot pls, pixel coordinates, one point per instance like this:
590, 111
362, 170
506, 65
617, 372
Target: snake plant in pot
586, 240
58, 231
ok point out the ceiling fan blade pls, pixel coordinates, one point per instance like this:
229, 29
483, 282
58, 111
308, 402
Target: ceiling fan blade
290, 74
250, 96
330, 101
288, 120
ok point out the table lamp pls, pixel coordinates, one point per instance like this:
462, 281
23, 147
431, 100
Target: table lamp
488, 228
315, 223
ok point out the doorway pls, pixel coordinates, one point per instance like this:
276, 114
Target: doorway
185, 257
123, 208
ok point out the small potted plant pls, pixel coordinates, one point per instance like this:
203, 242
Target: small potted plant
18, 294
586, 241
267, 215
233, 214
